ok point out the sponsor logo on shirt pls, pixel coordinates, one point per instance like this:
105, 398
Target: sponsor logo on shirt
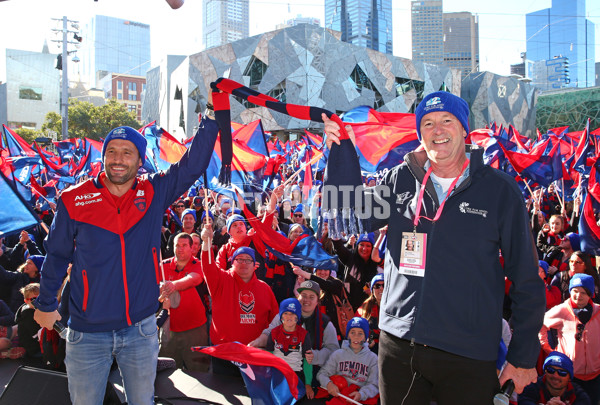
87, 196
465, 209
403, 197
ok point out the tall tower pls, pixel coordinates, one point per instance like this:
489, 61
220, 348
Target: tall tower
427, 31
114, 45
366, 23
562, 31
461, 42
225, 21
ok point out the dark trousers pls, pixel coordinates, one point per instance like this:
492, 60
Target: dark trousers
417, 374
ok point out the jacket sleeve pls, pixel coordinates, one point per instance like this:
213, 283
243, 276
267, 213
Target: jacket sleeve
333, 286
274, 323
521, 267
552, 320
181, 175
330, 345
371, 388
8, 277
7, 317
530, 395
59, 245
328, 369
212, 274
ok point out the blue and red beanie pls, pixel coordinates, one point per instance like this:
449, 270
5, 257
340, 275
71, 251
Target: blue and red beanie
244, 250
291, 305
358, 322
127, 134
443, 101
558, 359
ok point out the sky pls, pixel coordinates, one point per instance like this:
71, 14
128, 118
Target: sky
26, 24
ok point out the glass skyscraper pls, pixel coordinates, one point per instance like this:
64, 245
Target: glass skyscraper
461, 42
114, 45
366, 23
563, 31
427, 32
225, 21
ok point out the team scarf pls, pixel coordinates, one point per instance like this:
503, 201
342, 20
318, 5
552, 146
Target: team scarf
343, 169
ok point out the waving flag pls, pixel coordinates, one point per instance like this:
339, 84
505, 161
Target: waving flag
162, 149
269, 379
304, 251
20, 216
540, 169
16, 146
253, 137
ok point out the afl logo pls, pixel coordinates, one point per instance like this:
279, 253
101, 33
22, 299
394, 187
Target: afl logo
140, 203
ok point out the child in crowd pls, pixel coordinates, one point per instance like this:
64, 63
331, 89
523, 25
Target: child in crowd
291, 342
28, 328
355, 364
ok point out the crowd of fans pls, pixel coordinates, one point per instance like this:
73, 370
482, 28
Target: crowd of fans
221, 284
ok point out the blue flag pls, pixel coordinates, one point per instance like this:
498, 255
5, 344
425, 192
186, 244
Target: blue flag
19, 216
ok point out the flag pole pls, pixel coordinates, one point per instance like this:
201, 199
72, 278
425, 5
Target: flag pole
310, 163
207, 216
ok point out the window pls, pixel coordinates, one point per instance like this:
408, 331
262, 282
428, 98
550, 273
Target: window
256, 70
119, 85
132, 87
30, 93
132, 97
132, 108
119, 96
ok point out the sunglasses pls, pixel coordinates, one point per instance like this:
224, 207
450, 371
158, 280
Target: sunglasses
378, 286
298, 215
579, 334
179, 206
552, 370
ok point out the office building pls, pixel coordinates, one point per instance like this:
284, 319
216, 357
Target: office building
562, 31
427, 32
225, 21
366, 23
113, 45
126, 89
461, 42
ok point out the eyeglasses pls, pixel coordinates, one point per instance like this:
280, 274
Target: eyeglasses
378, 286
240, 260
560, 372
579, 334
179, 206
298, 215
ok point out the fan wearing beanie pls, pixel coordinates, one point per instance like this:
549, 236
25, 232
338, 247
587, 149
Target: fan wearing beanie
461, 213
109, 229
577, 323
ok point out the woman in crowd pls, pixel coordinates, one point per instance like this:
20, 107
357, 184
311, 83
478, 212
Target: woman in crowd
370, 311
579, 263
577, 323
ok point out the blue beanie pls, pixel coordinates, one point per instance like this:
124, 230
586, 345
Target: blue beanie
443, 101
370, 178
378, 277
232, 219
574, 240
583, 280
358, 322
366, 237
544, 266
299, 208
244, 250
561, 360
291, 305
37, 260
233, 211
210, 214
127, 134
189, 211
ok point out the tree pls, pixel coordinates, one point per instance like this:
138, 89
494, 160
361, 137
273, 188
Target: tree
28, 134
89, 121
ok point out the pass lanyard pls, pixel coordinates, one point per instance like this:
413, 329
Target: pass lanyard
439, 210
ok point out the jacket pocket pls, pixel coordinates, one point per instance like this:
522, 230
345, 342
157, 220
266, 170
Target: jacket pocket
156, 265
86, 290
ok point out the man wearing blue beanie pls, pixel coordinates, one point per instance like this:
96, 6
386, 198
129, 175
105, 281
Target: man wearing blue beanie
109, 228
555, 386
441, 303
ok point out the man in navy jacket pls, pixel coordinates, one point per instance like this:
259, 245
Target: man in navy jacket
109, 229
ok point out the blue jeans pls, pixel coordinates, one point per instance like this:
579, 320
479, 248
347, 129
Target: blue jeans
90, 355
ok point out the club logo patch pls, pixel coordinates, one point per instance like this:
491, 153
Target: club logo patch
246, 301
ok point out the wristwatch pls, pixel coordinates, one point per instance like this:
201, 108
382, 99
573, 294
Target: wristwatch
209, 112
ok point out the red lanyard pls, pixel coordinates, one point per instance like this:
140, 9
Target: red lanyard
420, 200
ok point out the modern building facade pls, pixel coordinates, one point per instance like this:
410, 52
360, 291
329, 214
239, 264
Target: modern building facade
563, 31
366, 23
113, 45
461, 42
551, 74
32, 88
572, 107
225, 21
427, 31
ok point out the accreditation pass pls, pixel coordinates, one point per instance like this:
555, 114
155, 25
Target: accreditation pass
412, 254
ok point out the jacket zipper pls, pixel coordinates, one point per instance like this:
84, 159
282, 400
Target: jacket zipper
85, 289
124, 267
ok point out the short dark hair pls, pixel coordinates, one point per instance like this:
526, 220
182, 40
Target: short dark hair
185, 236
